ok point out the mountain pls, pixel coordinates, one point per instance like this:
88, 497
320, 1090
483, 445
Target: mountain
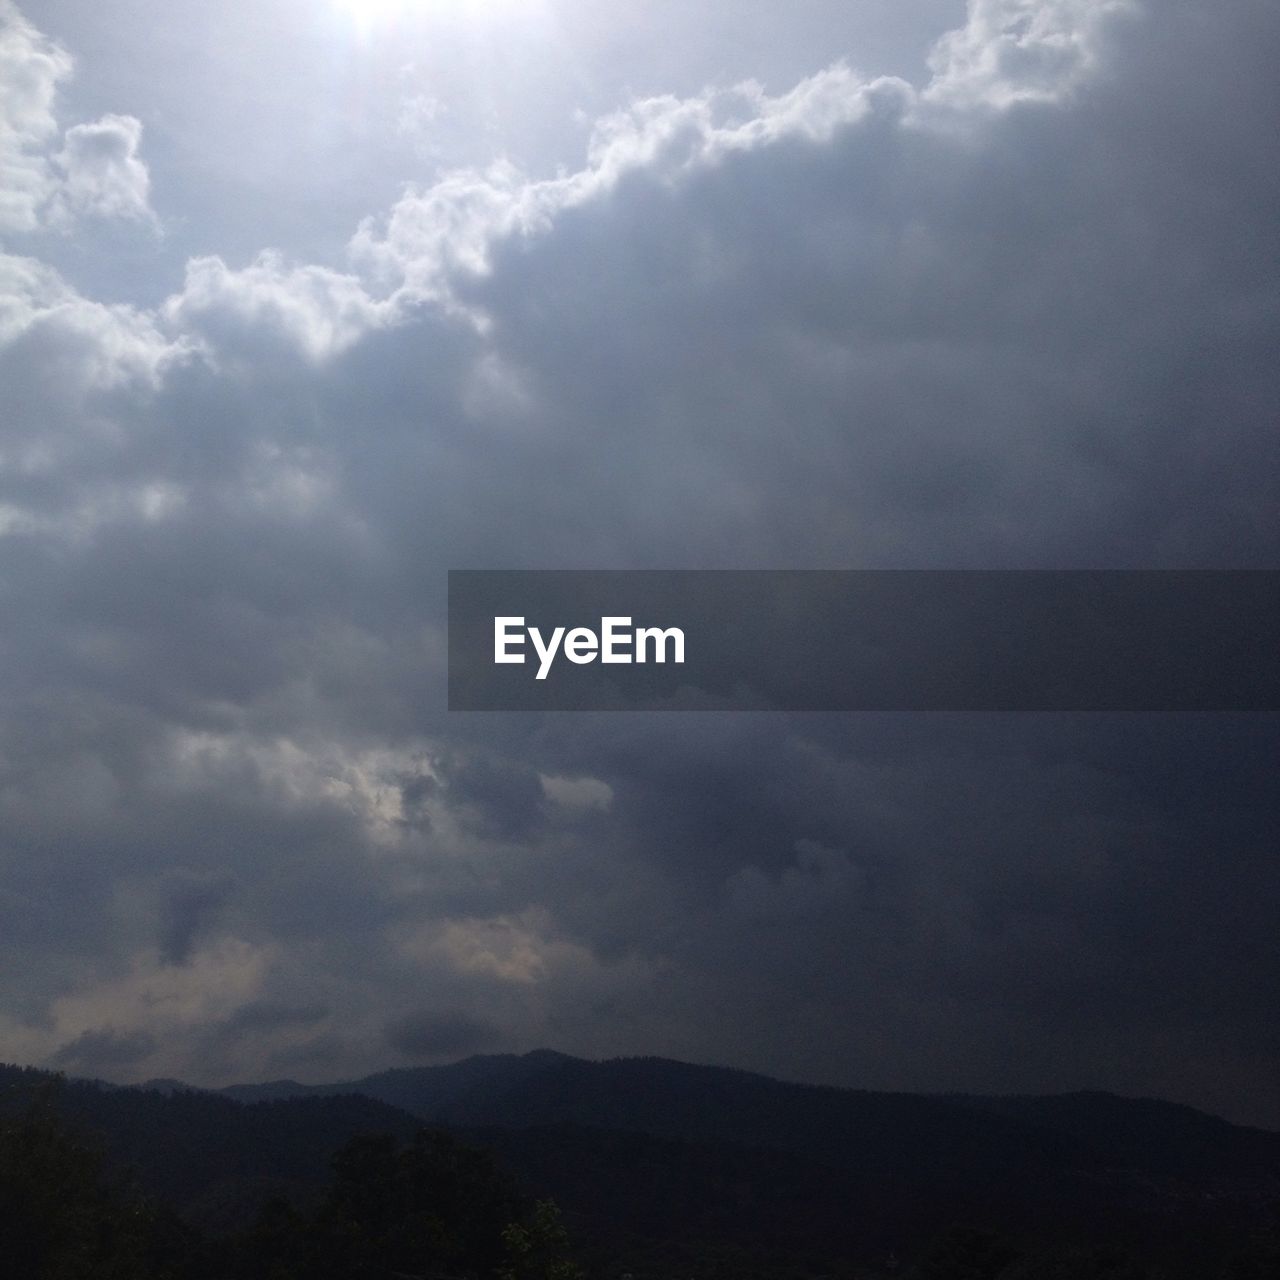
434, 1093
210, 1157
939, 1138
1147, 1134
167, 1085
850, 1165
660, 1166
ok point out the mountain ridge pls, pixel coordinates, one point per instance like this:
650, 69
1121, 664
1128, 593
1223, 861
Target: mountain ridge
943, 1139
653, 1158
540, 1058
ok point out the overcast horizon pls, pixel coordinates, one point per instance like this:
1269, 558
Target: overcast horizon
305, 302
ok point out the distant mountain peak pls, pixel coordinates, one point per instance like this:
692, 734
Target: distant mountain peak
167, 1085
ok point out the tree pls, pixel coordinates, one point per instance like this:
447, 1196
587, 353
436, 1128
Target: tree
538, 1249
60, 1218
434, 1205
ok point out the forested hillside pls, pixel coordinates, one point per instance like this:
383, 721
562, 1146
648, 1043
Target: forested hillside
659, 1169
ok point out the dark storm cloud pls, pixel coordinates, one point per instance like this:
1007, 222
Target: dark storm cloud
105, 1050
260, 1015
496, 798
895, 350
874, 327
192, 906
448, 1033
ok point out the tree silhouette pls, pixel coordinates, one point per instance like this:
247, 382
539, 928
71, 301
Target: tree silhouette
60, 1217
433, 1206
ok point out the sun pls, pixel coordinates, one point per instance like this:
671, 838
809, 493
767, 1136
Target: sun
366, 14
379, 20
369, 15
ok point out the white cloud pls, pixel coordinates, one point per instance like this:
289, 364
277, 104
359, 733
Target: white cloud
319, 311
102, 173
95, 345
434, 234
97, 172
1012, 51
296, 778
31, 66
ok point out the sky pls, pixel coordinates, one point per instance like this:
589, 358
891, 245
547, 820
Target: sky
305, 302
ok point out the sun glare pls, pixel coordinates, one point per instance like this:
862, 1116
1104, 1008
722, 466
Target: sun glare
379, 21
367, 16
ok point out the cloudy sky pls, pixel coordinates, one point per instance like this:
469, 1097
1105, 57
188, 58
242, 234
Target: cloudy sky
304, 302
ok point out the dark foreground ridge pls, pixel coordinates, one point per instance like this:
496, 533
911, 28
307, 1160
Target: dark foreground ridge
663, 1168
